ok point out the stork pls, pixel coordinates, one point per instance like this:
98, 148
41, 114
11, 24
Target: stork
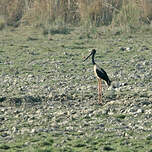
100, 74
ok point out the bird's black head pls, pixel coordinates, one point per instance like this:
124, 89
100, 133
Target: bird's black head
92, 52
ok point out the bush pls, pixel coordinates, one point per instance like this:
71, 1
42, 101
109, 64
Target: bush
2, 22
76, 12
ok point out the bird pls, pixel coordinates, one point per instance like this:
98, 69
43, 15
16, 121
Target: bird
100, 74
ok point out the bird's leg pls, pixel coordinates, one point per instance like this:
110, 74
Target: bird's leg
100, 91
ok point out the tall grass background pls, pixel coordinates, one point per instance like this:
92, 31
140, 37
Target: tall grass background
130, 13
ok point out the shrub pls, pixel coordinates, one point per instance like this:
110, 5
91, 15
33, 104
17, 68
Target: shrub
76, 12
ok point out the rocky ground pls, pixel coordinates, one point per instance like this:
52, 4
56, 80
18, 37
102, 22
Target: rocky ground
48, 96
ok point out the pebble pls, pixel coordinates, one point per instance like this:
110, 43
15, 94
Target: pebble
72, 96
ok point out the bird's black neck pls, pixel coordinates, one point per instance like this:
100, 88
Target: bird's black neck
93, 62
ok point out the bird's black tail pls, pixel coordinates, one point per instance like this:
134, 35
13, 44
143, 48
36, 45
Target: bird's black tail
108, 82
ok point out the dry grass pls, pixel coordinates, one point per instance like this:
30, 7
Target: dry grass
128, 15
97, 12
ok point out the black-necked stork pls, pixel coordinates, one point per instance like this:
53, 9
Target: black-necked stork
100, 74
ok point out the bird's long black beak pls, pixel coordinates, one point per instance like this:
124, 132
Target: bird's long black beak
87, 57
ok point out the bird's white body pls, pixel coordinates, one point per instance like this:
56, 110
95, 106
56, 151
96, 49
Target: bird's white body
95, 70
100, 73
